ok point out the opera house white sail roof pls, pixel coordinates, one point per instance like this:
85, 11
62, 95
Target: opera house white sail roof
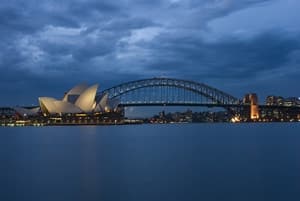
80, 99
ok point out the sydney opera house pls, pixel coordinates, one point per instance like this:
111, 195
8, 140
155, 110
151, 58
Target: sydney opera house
80, 99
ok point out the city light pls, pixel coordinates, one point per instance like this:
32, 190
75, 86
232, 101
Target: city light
83, 105
235, 119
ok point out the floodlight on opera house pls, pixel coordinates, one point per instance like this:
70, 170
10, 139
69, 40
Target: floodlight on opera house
80, 99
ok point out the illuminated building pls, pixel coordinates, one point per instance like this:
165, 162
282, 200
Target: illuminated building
252, 100
280, 101
80, 99
291, 101
274, 100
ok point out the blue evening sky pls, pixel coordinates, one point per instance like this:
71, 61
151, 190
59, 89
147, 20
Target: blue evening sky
238, 46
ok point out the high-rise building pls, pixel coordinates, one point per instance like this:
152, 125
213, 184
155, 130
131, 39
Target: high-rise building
252, 100
280, 101
274, 100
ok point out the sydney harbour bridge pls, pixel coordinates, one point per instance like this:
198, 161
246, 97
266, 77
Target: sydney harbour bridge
169, 92
179, 92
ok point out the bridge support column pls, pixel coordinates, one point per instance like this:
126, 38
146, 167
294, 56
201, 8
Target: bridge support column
252, 100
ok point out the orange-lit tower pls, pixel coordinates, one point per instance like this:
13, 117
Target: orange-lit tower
253, 101
254, 106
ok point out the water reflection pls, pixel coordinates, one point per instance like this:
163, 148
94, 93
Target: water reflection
90, 162
151, 162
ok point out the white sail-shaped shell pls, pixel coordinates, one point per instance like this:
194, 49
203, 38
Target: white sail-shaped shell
80, 99
100, 107
86, 100
47, 105
66, 108
77, 90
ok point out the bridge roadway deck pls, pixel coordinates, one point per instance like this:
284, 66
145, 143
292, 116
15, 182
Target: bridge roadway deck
207, 105
181, 104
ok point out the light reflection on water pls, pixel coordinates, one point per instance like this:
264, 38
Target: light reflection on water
151, 162
88, 156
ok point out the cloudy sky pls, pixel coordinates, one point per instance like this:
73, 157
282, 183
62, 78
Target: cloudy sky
238, 46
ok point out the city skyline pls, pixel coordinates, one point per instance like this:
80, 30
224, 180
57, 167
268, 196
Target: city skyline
239, 47
135, 98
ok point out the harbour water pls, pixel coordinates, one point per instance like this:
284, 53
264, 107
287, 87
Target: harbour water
151, 162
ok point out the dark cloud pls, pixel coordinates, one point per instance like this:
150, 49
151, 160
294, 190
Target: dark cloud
49, 46
226, 58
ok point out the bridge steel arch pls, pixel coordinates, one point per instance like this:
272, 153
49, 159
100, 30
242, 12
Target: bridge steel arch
216, 96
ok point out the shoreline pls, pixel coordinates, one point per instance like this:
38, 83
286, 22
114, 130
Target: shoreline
130, 123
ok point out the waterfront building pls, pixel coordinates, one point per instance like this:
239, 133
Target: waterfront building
274, 100
280, 101
80, 99
252, 100
291, 101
